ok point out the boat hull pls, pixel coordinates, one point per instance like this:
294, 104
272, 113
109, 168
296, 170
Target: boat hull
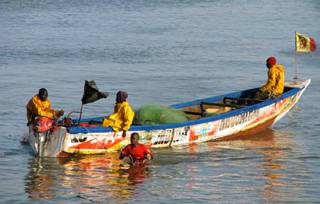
47, 144
234, 124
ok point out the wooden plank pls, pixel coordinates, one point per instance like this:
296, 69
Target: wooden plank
192, 113
223, 105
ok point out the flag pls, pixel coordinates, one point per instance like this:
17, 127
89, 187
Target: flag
305, 43
91, 93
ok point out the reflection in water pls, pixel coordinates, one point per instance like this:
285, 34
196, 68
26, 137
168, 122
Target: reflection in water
205, 172
40, 182
92, 178
271, 145
275, 170
270, 150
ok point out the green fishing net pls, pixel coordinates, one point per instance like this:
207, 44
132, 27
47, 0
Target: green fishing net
153, 114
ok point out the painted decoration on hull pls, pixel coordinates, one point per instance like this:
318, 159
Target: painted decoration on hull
203, 132
100, 143
235, 123
94, 143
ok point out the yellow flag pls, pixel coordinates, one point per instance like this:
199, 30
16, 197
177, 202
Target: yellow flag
304, 43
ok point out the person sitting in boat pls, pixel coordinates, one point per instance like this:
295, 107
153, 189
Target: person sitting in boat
39, 105
138, 153
275, 84
122, 117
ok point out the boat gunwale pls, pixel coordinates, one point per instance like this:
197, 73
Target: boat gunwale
293, 91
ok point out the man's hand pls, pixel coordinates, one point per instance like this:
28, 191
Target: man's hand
121, 155
148, 156
60, 113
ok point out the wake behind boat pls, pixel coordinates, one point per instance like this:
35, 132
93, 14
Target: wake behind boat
222, 117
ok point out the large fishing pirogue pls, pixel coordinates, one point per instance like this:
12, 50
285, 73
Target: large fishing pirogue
236, 116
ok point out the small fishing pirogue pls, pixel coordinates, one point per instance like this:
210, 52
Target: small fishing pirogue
222, 117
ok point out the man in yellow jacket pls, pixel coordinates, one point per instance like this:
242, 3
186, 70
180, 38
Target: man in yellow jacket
122, 117
40, 105
275, 84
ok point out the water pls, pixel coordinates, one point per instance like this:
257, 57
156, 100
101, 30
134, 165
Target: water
165, 52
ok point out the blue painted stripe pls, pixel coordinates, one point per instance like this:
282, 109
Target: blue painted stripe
292, 92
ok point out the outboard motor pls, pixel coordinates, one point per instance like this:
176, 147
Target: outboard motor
42, 129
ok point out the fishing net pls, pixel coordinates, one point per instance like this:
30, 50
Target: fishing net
153, 114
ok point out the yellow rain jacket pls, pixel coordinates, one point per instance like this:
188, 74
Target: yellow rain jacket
275, 83
122, 117
36, 107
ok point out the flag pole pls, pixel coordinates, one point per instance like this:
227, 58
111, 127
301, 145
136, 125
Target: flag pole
295, 59
295, 66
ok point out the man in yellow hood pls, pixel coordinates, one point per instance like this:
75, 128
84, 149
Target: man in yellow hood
275, 84
122, 117
39, 105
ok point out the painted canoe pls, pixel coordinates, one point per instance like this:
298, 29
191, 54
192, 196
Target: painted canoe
234, 116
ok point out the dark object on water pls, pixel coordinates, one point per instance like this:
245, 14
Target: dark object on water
91, 93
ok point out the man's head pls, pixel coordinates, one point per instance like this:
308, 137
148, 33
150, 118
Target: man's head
271, 61
121, 96
43, 94
134, 138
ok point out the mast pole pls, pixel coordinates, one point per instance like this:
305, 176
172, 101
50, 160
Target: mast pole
80, 113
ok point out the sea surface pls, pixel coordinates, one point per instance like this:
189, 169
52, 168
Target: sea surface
165, 51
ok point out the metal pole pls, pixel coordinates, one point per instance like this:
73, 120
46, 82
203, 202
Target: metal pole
295, 67
80, 113
295, 59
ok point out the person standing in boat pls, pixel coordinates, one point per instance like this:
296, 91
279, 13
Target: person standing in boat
122, 117
138, 153
39, 105
275, 84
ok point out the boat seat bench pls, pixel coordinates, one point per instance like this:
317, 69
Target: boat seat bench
220, 104
193, 113
203, 109
230, 102
241, 101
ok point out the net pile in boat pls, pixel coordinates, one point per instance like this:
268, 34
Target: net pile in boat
154, 114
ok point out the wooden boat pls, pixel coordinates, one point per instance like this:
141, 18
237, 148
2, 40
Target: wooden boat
234, 115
